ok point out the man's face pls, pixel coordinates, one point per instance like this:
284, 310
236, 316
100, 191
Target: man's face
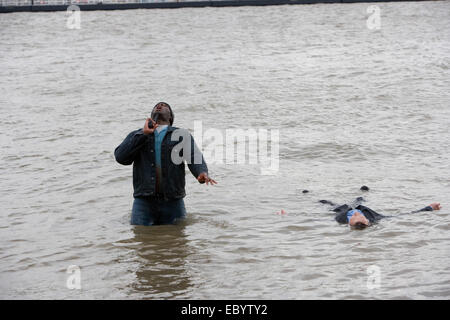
163, 111
358, 217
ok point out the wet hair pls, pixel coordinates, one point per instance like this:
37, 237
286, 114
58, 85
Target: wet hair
359, 226
172, 116
364, 188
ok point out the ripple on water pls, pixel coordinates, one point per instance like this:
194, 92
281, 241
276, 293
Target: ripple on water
351, 110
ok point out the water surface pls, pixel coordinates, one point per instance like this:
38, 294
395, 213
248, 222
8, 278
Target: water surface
354, 106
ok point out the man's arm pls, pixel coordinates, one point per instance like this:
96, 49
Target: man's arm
128, 149
431, 207
427, 208
341, 211
197, 164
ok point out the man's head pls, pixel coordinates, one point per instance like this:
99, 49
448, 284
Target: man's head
164, 112
357, 219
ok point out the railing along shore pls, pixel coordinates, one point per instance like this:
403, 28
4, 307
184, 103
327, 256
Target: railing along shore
88, 5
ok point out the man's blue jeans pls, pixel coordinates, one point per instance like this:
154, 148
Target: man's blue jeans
150, 211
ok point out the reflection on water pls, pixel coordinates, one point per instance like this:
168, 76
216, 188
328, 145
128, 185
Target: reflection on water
161, 252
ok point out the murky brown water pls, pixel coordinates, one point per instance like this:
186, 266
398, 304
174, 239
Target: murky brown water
354, 106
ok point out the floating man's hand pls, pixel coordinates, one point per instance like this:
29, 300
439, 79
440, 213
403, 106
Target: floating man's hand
435, 206
203, 177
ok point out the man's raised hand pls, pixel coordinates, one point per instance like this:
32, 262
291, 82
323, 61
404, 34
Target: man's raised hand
146, 129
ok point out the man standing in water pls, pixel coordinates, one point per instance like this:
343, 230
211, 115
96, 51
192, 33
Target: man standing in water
158, 180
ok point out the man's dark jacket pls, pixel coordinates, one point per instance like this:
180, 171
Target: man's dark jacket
139, 149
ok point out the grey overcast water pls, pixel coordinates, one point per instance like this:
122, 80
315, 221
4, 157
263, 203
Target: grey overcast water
353, 107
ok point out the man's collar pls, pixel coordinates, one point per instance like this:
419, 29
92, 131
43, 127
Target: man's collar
161, 128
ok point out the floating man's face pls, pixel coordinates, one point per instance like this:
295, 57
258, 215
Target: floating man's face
358, 220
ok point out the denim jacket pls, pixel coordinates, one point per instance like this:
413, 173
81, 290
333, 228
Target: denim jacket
139, 149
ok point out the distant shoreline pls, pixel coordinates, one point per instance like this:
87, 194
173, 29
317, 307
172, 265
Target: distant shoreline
174, 5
